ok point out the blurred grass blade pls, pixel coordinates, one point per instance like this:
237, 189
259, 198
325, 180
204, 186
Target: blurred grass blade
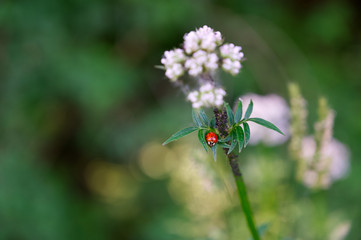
240, 138
196, 119
247, 133
202, 139
238, 114
233, 142
229, 114
180, 134
204, 118
249, 110
266, 124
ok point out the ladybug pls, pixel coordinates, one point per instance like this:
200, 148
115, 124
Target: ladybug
211, 139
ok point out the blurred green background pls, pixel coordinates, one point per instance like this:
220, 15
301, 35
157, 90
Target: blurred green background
83, 112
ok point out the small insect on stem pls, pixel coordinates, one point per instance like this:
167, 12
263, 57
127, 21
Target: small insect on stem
211, 139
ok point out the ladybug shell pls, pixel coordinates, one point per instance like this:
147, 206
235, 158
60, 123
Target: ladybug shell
211, 139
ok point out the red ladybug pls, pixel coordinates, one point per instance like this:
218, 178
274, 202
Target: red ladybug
211, 139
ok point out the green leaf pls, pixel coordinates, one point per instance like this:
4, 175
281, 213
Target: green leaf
228, 138
180, 134
214, 150
266, 124
240, 138
202, 139
247, 133
233, 142
249, 110
229, 114
223, 145
238, 115
196, 119
213, 123
262, 229
204, 118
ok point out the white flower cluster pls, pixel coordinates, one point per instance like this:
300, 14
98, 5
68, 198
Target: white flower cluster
201, 55
207, 96
204, 38
273, 108
173, 61
231, 58
332, 164
201, 60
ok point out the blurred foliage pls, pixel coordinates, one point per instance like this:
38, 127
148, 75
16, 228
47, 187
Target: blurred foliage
80, 98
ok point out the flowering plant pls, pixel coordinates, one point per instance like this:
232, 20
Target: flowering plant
203, 53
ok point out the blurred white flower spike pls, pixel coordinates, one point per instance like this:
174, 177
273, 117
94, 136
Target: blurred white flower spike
332, 163
321, 158
273, 108
202, 55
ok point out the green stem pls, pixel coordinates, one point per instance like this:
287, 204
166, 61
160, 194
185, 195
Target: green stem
241, 187
246, 206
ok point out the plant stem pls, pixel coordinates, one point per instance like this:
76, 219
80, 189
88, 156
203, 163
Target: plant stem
221, 124
241, 187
